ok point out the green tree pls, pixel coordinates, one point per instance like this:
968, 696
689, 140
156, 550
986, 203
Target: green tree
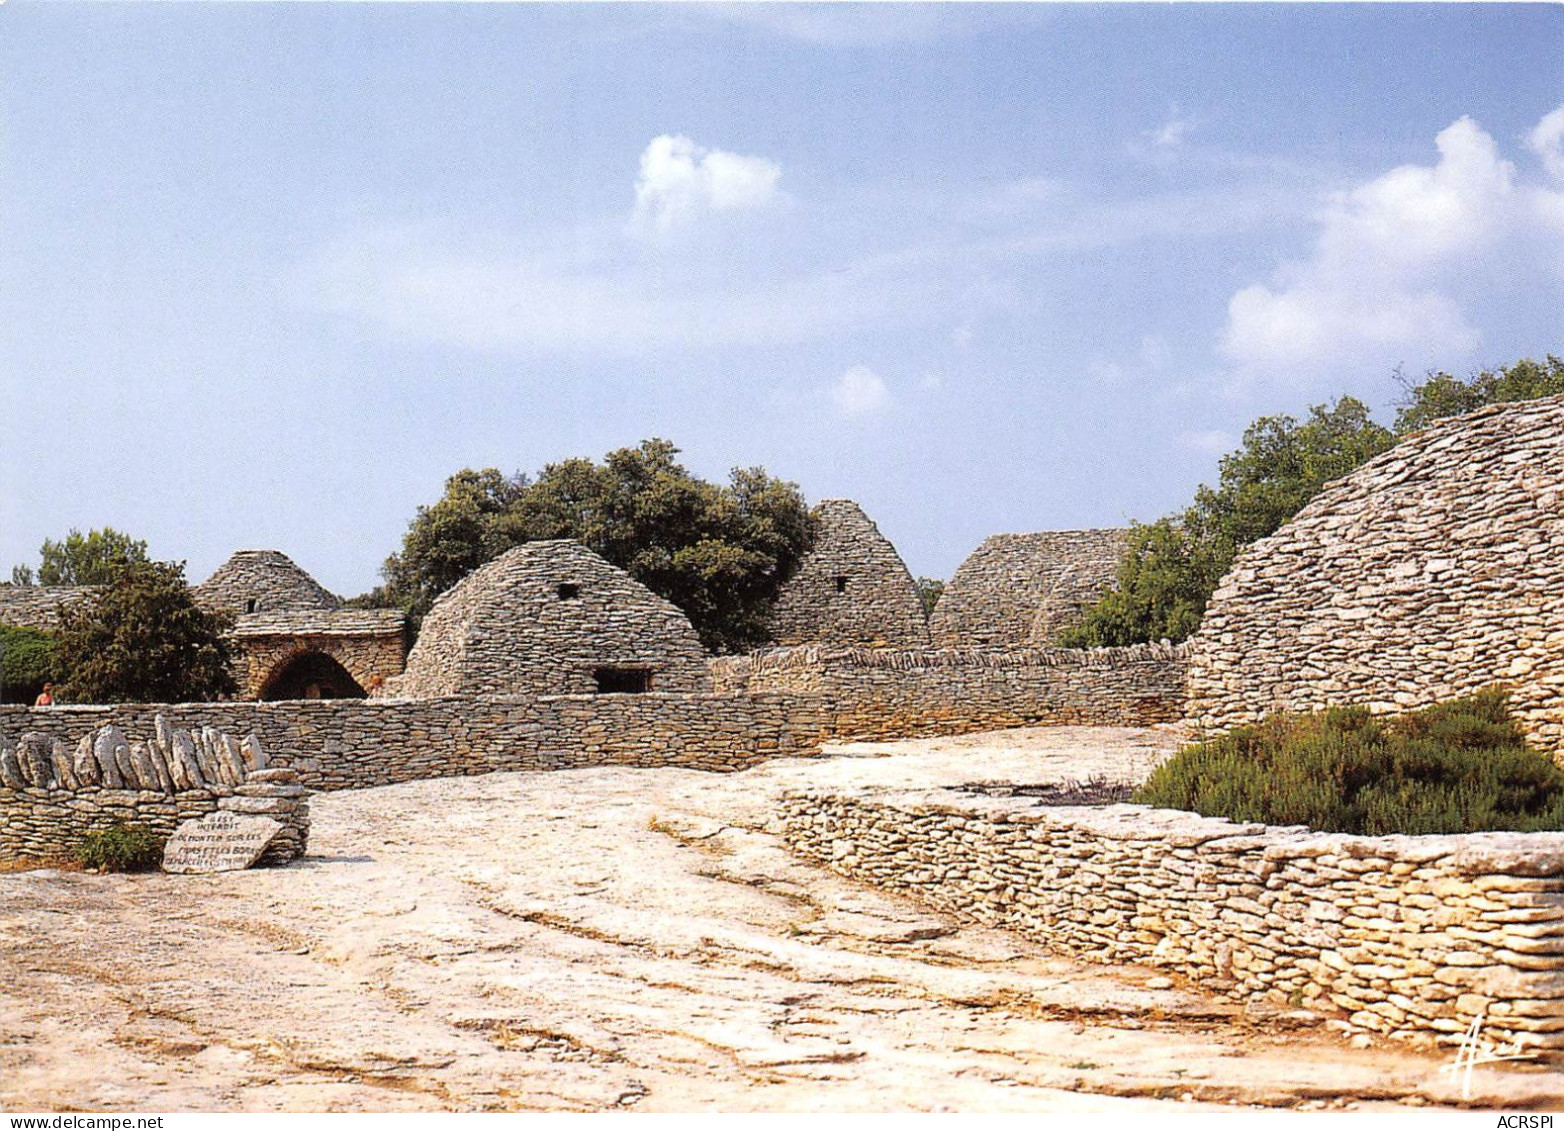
23, 575
930, 590
84, 559
719, 552
143, 639
26, 663
1172, 566
1439, 394
446, 541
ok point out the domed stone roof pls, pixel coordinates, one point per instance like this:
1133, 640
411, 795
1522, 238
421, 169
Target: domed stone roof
551, 617
1433, 570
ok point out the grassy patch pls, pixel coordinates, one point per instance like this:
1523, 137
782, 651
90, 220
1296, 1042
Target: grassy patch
121, 848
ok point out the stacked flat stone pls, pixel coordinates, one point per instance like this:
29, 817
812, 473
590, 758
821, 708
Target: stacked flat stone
1021, 590
1431, 571
540, 619
366, 642
38, 606
257, 581
52, 793
852, 587
1408, 937
880, 694
357, 743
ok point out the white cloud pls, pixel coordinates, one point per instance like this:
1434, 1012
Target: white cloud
860, 392
1171, 134
1397, 265
1547, 142
680, 181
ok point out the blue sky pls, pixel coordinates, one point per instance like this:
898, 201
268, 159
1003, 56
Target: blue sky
269, 273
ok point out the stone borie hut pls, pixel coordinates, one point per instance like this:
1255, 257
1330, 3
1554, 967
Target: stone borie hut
1019, 590
552, 618
1429, 572
852, 588
295, 639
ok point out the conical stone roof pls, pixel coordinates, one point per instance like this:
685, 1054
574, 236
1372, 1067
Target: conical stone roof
261, 581
852, 588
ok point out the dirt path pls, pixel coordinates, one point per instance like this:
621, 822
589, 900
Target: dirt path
615, 938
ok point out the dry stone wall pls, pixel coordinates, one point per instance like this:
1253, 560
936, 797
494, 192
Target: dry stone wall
1020, 590
874, 693
1407, 936
55, 788
356, 743
543, 619
366, 642
37, 606
1431, 571
852, 588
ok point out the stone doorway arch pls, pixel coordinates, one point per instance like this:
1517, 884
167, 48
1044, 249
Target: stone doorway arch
310, 675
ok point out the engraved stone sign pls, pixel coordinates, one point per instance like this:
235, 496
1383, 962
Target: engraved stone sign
219, 842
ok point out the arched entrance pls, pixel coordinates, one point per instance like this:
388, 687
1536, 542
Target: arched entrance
311, 675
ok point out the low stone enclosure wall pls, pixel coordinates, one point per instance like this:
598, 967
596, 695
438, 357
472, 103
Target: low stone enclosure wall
1411, 937
54, 791
357, 743
880, 694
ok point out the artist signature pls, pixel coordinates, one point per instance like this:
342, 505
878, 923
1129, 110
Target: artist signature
1475, 1049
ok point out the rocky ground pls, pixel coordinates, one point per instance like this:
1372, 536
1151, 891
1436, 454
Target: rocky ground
617, 938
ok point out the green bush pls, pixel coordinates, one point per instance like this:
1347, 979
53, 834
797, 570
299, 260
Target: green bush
26, 663
121, 848
1461, 766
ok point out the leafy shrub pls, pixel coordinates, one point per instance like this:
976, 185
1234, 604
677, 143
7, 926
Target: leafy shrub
121, 848
1461, 766
142, 638
26, 663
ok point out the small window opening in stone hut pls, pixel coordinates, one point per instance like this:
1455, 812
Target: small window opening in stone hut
841, 583
622, 681
249, 606
568, 591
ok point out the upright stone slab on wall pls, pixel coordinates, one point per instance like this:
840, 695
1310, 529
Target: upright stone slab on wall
55, 788
544, 619
1431, 571
852, 588
1020, 590
358, 743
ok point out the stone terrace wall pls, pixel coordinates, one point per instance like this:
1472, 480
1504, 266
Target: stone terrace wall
53, 792
852, 588
873, 693
1408, 936
37, 606
1020, 589
1431, 571
355, 743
